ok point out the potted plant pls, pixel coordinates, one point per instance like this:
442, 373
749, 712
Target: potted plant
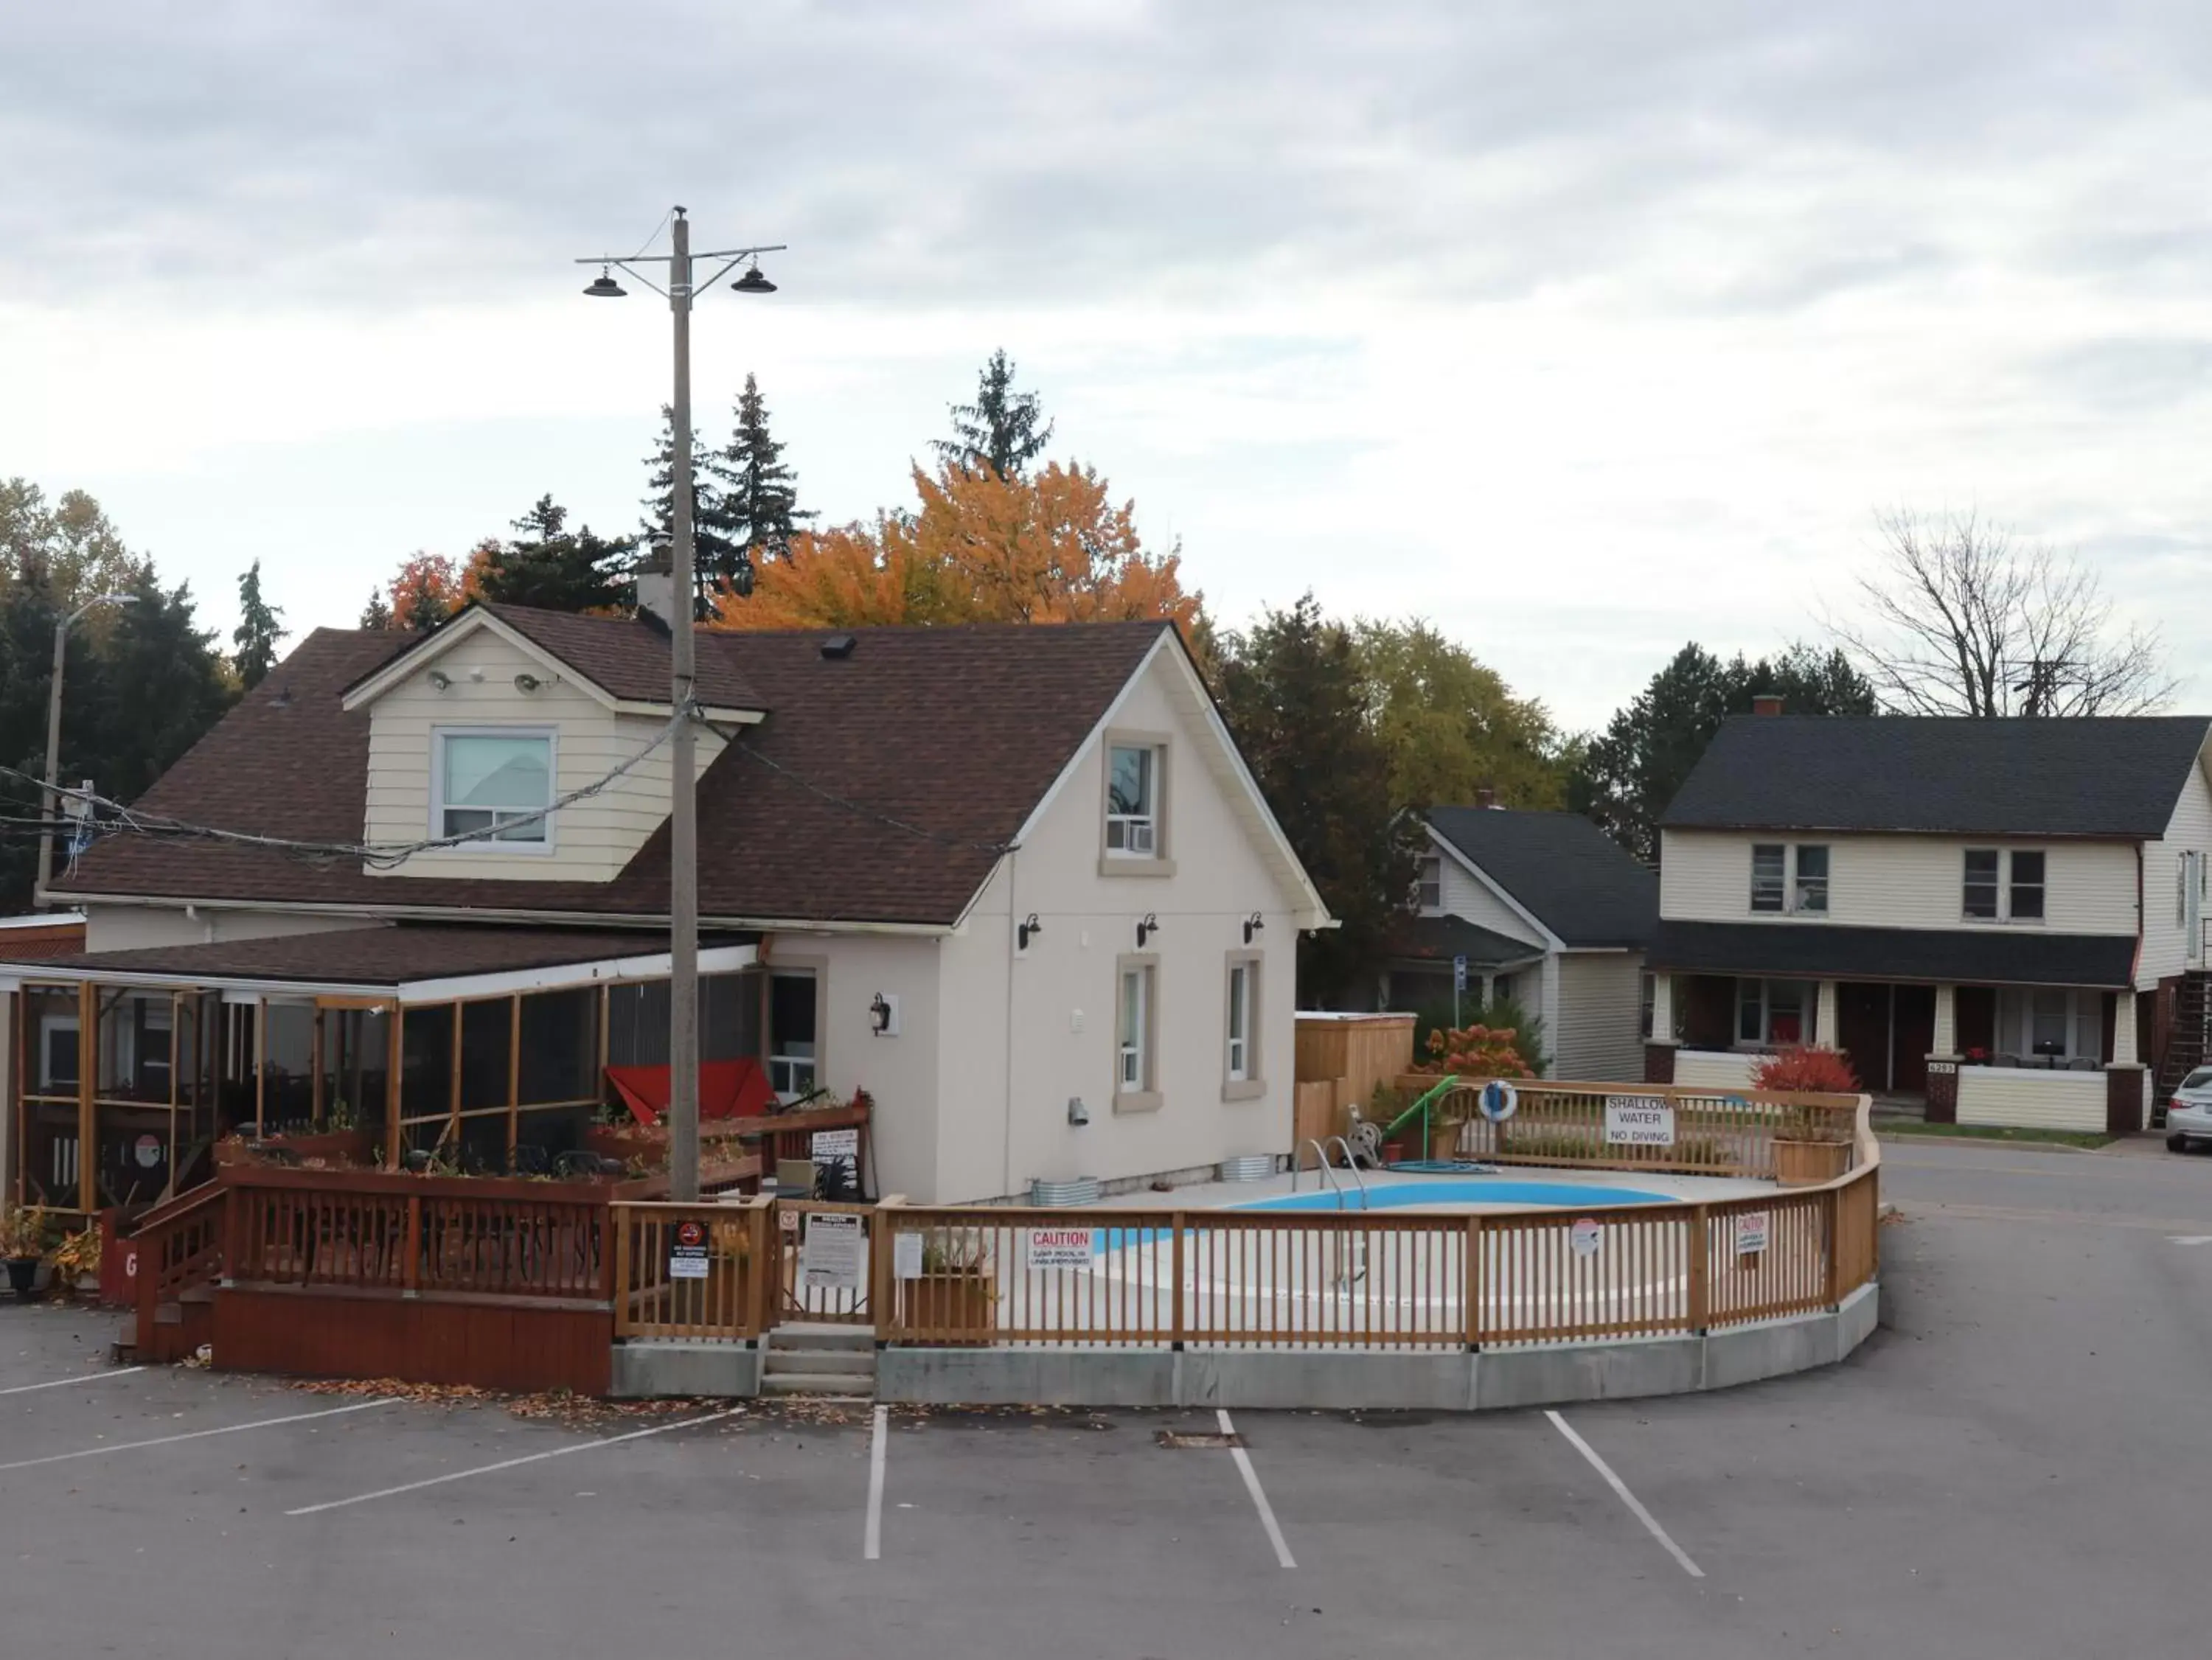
23, 1230
955, 1302
1811, 1145
76, 1260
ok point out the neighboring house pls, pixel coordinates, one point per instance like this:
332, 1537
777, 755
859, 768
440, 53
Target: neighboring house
1016, 882
2001, 915
1547, 910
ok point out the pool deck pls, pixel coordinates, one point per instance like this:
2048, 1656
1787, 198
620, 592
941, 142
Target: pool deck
1206, 1196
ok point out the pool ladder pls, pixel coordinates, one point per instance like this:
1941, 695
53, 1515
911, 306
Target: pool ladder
1329, 1171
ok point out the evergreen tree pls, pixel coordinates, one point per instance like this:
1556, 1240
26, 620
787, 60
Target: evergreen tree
1293, 692
755, 503
377, 614
1000, 429
1632, 770
712, 549
549, 565
260, 626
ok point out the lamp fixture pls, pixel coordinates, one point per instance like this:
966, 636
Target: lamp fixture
440, 679
752, 282
1147, 929
1027, 930
1252, 925
605, 287
526, 682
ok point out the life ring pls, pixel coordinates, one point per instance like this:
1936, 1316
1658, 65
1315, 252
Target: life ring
1497, 1101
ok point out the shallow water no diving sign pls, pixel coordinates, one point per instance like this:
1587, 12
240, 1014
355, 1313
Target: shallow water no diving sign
1639, 1121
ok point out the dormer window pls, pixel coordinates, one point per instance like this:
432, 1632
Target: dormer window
492, 779
1430, 896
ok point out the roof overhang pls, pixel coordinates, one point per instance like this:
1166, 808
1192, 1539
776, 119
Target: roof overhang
471, 623
1933, 957
408, 993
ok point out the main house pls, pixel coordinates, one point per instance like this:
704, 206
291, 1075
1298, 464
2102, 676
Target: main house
1015, 882
1998, 915
1546, 909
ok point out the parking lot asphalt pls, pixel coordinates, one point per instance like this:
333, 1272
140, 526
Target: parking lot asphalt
2015, 1466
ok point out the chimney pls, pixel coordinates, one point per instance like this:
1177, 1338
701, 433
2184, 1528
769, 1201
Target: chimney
1485, 798
1766, 703
656, 586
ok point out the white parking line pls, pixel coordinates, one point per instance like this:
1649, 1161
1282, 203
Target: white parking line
1627, 1498
196, 1434
872, 1544
61, 1382
1259, 1496
508, 1464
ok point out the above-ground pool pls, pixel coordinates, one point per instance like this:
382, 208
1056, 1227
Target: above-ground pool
1478, 1190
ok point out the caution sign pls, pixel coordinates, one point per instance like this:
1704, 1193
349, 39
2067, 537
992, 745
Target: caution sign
1753, 1230
1062, 1247
1639, 1121
687, 1256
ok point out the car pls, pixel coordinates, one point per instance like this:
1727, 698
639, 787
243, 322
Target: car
2188, 1114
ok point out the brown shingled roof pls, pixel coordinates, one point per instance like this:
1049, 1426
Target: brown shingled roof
630, 658
880, 788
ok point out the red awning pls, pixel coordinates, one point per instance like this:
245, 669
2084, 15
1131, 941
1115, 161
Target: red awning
727, 1089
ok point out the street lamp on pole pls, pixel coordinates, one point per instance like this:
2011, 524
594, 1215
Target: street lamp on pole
683, 803
53, 801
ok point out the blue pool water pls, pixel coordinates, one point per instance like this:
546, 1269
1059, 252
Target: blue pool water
1489, 1189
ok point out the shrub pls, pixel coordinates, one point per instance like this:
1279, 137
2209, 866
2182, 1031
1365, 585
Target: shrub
1476, 1051
1806, 1070
1506, 1014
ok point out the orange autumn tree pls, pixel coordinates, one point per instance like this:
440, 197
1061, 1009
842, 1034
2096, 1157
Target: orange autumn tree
426, 590
1052, 547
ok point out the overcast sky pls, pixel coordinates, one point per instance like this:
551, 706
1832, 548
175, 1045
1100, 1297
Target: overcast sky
1582, 327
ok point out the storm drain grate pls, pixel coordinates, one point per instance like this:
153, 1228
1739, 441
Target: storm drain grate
1215, 1439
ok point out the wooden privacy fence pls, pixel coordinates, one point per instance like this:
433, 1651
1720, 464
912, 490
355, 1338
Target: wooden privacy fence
1715, 1133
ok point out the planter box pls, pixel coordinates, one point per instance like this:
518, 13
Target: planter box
958, 1310
333, 1147
1808, 1164
1443, 1140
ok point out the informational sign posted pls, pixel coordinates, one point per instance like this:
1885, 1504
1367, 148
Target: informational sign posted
1586, 1236
906, 1256
1061, 1247
837, 1146
1753, 1230
832, 1251
687, 1254
1638, 1121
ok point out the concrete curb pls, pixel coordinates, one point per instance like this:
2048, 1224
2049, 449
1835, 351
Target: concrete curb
1483, 1381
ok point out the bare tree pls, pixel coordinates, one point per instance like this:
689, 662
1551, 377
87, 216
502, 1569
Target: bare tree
1961, 619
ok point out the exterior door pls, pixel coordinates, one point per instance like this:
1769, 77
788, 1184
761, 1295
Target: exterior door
1863, 1029
1912, 1034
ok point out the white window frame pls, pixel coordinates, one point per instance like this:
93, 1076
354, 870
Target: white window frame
1781, 888
1797, 879
2002, 909
1429, 885
535, 849
50, 1027
1243, 1069
1790, 899
1140, 1093
1807, 1018
2015, 1015
785, 1070
1156, 825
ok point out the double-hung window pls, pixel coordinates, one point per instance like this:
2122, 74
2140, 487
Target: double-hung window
495, 786
1809, 892
1429, 895
1770, 875
793, 1033
1240, 1062
1774, 1013
1133, 800
1785, 878
1981, 897
2026, 894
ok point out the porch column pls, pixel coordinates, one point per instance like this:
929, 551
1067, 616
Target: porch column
2123, 1074
1824, 1027
1659, 1047
1943, 1059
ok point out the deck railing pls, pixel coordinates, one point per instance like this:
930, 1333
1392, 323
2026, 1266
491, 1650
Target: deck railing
694, 1273
1715, 1132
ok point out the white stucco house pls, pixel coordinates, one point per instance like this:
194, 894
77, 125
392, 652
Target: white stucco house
1547, 909
1016, 882
2003, 917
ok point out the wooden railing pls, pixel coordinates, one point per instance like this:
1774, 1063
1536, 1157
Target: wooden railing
180, 1249
1715, 1132
1018, 1276
697, 1273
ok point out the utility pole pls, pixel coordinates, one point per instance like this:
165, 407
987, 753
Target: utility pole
682, 796
682, 674
52, 797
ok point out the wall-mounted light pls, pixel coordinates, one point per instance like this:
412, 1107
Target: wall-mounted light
1026, 931
526, 682
883, 1016
1147, 929
1252, 925
440, 679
